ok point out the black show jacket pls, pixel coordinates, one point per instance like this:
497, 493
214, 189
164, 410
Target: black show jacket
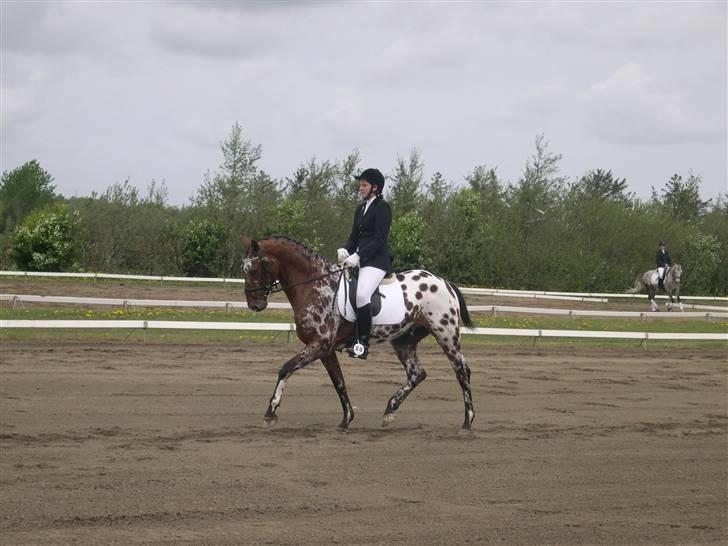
370, 234
663, 258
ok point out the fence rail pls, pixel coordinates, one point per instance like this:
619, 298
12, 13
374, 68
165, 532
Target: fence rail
498, 292
713, 312
290, 327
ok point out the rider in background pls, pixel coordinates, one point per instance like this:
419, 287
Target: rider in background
367, 248
663, 262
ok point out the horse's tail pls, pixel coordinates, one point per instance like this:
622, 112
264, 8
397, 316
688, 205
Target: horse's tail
464, 313
636, 288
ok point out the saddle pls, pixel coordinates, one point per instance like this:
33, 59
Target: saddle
353, 280
387, 301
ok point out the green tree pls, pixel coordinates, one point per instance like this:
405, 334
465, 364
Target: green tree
603, 185
699, 254
45, 241
715, 224
405, 185
240, 197
407, 242
126, 231
531, 217
23, 189
682, 198
203, 249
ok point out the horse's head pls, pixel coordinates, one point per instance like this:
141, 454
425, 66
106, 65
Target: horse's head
676, 273
260, 274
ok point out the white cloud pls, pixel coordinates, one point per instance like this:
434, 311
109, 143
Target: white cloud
100, 91
633, 107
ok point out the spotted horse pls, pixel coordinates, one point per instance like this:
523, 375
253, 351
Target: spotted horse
432, 306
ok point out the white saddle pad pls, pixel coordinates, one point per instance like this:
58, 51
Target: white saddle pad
653, 279
392, 304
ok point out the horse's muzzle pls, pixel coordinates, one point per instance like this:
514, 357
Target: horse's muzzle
258, 305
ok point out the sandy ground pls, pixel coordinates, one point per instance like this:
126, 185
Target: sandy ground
150, 443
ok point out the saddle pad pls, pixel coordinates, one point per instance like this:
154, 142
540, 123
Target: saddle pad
653, 279
392, 304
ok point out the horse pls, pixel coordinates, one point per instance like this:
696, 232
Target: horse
432, 306
648, 280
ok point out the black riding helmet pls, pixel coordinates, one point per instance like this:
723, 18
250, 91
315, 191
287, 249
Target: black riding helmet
374, 177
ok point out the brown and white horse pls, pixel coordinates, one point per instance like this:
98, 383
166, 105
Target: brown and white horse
433, 306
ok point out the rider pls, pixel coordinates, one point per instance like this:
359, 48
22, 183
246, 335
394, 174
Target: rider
367, 249
663, 262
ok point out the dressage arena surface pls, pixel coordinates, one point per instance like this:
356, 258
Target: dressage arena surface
132, 442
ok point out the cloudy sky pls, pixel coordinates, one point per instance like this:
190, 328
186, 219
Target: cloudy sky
101, 92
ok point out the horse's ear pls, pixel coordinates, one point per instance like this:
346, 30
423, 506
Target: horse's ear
250, 243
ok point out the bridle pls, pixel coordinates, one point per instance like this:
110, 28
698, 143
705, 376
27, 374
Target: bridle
276, 285
267, 287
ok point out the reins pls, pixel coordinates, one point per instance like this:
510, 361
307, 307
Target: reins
277, 286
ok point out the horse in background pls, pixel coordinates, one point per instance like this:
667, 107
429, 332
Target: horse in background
431, 306
649, 280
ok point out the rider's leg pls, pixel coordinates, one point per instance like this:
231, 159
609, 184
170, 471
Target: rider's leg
661, 278
369, 279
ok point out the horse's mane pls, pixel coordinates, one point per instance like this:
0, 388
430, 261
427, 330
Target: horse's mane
310, 254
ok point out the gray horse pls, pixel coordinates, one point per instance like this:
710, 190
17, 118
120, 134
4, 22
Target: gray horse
648, 280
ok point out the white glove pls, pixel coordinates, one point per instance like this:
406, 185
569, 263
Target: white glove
352, 261
341, 255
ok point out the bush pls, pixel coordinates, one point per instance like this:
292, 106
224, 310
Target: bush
46, 240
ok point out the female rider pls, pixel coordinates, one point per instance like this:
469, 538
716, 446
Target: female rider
367, 248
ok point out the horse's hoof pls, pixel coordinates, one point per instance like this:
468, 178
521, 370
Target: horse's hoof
465, 432
343, 428
270, 421
388, 418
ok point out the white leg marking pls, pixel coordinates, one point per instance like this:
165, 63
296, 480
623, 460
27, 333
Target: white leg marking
278, 393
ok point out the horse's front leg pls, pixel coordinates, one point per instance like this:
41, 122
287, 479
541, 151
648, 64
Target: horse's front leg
331, 363
301, 359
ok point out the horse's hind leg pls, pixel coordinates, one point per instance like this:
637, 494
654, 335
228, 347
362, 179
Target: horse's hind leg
651, 297
406, 349
449, 341
331, 363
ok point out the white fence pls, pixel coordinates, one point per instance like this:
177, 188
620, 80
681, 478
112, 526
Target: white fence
285, 327
714, 311
499, 292
94, 276
579, 296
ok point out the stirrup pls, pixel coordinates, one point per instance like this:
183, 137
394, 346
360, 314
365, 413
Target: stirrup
358, 350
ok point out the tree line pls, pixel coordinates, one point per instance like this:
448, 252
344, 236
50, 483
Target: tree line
543, 232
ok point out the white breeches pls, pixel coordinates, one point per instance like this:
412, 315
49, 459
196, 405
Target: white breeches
661, 272
369, 279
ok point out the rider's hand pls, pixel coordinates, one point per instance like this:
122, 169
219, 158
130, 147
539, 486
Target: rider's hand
352, 261
341, 255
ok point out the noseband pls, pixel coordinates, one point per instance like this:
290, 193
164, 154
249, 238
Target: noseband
267, 287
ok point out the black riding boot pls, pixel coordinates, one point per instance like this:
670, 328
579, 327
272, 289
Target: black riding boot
364, 327
660, 284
